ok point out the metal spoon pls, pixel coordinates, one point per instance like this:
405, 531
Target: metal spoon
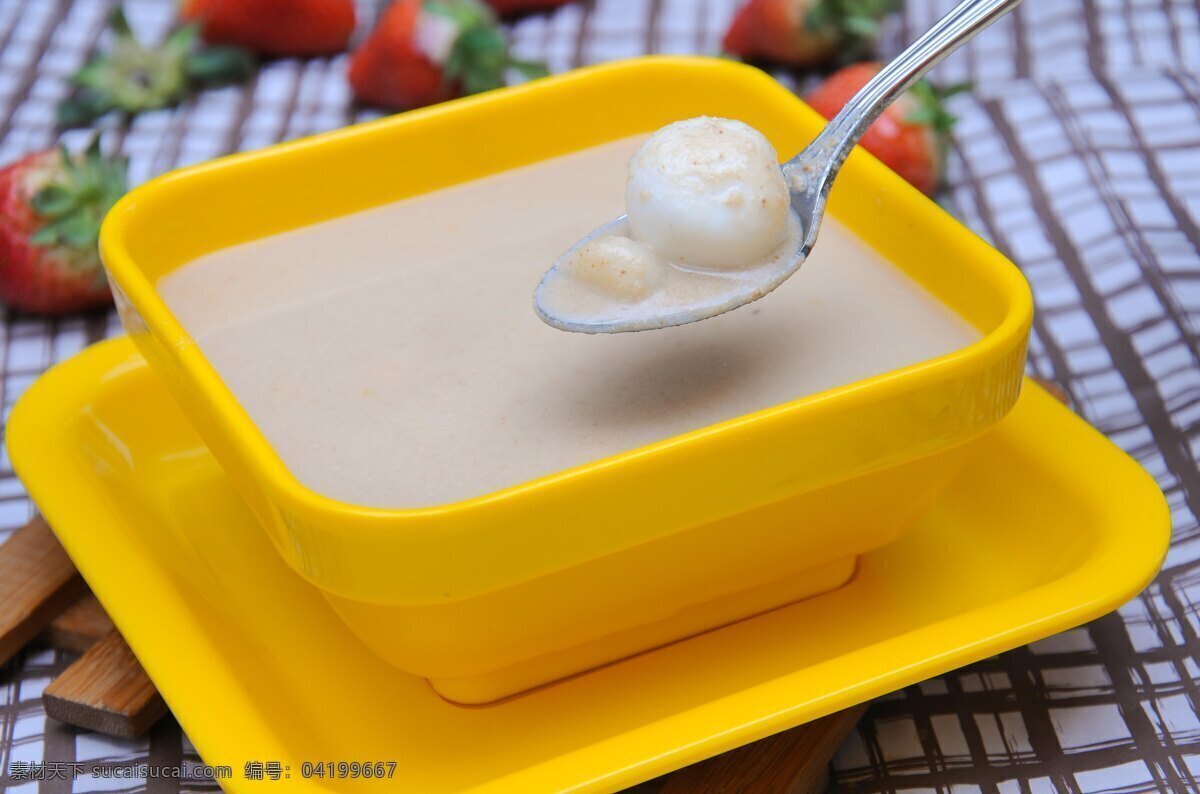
809, 176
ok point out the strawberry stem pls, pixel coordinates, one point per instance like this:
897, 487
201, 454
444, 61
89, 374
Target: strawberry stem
856, 23
931, 110
479, 58
73, 205
131, 78
219, 65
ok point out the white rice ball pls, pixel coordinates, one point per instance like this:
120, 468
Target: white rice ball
625, 269
708, 193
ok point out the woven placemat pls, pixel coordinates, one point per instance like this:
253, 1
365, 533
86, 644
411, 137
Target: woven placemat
1078, 154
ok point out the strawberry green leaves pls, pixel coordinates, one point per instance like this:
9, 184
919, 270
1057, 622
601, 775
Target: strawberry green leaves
930, 108
131, 78
479, 58
76, 200
218, 65
857, 23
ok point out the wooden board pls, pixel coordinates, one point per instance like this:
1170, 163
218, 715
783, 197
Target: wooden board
105, 690
1058, 392
37, 582
79, 627
795, 761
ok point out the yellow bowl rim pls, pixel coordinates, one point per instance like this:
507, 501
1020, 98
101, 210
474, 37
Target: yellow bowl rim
267, 463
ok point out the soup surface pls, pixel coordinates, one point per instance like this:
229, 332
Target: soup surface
392, 357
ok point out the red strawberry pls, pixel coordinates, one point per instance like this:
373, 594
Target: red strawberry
911, 135
512, 8
390, 70
275, 27
426, 51
130, 77
805, 32
51, 205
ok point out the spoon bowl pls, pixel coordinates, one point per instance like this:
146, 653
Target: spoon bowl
690, 294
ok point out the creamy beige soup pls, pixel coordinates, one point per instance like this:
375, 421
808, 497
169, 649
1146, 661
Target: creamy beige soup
392, 357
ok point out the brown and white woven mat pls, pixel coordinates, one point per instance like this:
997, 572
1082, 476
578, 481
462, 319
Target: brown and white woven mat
1078, 154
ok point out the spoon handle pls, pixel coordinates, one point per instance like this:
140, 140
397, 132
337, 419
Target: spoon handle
841, 134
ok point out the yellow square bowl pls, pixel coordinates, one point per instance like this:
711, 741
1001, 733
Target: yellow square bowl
493, 595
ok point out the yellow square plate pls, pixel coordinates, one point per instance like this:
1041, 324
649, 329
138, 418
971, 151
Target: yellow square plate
1049, 526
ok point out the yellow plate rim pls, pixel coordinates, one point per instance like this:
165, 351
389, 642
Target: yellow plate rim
1125, 558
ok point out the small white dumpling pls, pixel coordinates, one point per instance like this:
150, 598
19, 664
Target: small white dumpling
708, 193
625, 269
